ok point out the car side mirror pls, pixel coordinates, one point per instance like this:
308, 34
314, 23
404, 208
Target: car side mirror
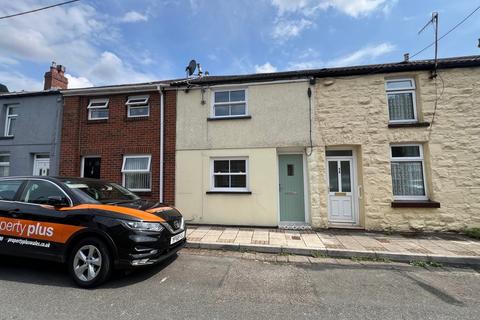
57, 201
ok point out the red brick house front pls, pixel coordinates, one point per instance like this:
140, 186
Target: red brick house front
115, 133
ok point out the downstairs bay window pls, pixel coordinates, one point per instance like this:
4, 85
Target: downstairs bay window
136, 171
408, 172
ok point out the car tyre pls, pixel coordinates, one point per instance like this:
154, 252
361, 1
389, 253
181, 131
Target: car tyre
89, 263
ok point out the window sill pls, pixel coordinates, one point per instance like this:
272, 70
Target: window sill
143, 118
228, 118
415, 204
144, 192
93, 121
7, 137
409, 125
229, 192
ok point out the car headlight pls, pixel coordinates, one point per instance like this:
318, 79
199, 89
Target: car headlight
144, 226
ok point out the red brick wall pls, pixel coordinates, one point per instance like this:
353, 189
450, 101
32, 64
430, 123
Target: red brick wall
118, 136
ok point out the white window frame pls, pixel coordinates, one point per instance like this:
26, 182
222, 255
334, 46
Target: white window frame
90, 108
138, 104
5, 164
411, 90
213, 174
409, 159
213, 104
149, 170
8, 119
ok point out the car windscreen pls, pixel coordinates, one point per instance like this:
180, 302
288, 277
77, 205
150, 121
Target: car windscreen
100, 191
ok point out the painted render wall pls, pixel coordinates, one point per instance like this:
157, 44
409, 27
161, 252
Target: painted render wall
279, 119
37, 130
353, 111
193, 181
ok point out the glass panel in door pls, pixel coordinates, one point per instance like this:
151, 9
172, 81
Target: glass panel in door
345, 176
333, 176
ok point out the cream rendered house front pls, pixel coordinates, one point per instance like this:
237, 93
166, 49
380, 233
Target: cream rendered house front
240, 156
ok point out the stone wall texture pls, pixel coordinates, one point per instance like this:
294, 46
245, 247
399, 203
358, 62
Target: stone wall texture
352, 111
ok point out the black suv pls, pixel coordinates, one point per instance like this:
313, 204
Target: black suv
92, 225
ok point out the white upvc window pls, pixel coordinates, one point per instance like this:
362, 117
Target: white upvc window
4, 165
10, 120
408, 172
229, 103
136, 171
137, 106
402, 106
229, 174
98, 109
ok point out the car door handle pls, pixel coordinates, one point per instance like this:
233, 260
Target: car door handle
14, 213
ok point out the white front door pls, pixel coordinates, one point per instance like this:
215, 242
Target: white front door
341, 191
41, 165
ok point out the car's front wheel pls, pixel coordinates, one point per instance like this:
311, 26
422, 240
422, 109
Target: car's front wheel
90, 263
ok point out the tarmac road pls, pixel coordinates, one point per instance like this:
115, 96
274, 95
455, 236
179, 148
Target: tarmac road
202, 285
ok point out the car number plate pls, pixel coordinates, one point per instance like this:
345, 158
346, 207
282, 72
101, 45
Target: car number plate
177, 237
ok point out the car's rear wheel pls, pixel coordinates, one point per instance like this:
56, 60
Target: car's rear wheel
90, 263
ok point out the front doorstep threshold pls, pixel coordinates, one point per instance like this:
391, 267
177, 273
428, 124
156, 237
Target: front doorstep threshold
344, 226
338, 253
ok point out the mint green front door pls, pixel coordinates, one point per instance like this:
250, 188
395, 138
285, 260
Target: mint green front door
292, 200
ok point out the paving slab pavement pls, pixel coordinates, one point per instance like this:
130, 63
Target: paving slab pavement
443, 248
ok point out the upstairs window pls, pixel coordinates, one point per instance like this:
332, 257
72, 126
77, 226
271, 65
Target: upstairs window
137, 106
98, 109
232, 103
229, 174
401, 100
4, 165
10, 120
136, 172
408, 172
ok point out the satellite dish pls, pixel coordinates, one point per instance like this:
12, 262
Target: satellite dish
190, 69
3, 88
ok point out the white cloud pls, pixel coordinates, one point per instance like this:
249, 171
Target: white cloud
265, 68
364, 55
112, 70
134, 16
78, 82
287, 29
354, 8
74, 36
15, 81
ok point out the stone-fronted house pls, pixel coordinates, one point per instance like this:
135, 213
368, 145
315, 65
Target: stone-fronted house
396, 146
377, 147
30, 128
124, 134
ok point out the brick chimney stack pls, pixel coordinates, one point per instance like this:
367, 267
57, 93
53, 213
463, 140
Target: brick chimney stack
55, 78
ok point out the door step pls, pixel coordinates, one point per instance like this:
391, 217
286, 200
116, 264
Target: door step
295, 227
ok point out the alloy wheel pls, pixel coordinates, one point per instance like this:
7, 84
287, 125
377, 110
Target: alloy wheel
87, 263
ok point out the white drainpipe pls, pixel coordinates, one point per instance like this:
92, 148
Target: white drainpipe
161, 139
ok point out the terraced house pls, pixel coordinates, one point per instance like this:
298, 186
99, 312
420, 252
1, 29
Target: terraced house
30, 127
123, 133
377, 147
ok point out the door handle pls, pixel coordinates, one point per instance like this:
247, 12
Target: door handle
14, 213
